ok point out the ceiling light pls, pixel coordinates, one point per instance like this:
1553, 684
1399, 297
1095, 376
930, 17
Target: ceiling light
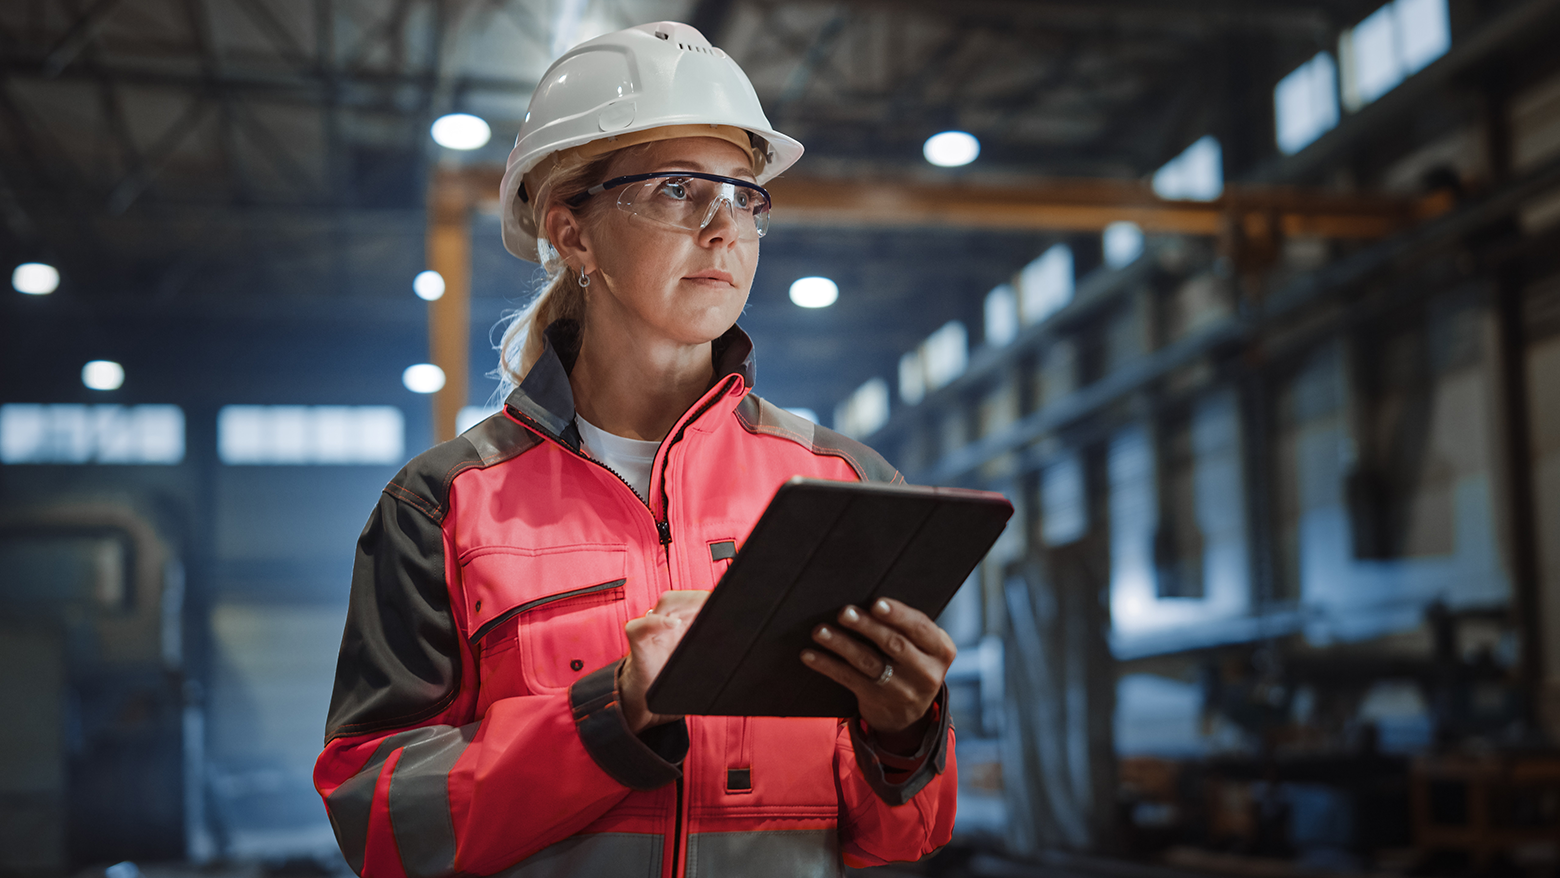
428, 285
35, 278
814, 292
103, 375
461, 131
423, 378
951, 149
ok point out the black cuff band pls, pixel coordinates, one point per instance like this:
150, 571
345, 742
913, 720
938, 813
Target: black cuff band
934, 746
634, 763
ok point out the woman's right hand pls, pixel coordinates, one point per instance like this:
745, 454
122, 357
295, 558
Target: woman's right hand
651, 639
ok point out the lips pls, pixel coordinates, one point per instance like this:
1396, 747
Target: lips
713, 274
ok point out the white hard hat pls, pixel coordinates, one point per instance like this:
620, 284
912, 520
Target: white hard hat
663, 75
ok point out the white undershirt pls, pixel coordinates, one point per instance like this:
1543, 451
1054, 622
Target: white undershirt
629, 458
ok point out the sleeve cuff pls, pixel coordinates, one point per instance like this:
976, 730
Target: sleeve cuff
639, 763
896, 779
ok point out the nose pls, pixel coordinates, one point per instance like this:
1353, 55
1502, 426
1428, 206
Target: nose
720, 225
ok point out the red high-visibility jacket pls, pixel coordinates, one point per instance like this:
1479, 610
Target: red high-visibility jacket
475, 727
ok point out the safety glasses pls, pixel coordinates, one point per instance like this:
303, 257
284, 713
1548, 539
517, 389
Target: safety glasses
688, 200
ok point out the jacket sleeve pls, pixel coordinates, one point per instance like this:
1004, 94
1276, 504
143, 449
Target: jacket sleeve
896, 808
415, 785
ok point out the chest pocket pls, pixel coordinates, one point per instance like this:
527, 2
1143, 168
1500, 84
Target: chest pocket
545, 617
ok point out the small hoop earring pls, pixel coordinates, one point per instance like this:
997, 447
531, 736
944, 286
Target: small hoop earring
584, 280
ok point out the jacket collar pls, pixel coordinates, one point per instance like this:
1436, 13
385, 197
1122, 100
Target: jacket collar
545, 396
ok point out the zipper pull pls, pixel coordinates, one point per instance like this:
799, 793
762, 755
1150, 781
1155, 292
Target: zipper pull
664, 528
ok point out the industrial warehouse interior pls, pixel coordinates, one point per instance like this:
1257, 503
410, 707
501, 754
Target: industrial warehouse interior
1251, 308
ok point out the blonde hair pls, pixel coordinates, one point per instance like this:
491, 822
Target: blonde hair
561, 296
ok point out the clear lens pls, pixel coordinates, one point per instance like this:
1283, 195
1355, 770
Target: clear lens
690, 203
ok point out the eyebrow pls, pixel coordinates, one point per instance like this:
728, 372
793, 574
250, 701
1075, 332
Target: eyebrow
743, 172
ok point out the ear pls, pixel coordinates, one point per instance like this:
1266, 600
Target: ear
569, 237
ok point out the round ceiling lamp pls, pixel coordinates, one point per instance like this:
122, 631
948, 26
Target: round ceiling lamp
35, 278
814, 292
951, 149
428, 285
423, 378
461, 131
103, 375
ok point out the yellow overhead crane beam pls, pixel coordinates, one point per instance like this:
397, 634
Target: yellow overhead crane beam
1087, 205
1249, 220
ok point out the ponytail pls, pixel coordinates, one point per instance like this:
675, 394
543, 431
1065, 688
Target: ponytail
561, 296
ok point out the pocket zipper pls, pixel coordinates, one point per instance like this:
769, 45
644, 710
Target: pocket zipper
531, 605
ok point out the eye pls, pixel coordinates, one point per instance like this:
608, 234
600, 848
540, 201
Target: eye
675, 188
744, 199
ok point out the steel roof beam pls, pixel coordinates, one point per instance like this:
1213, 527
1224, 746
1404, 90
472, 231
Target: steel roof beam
77, 37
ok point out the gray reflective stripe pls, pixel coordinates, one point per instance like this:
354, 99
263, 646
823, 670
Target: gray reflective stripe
791, 853
350, 804
602, 853
420, 802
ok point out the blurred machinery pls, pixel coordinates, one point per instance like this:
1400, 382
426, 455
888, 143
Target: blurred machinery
103, 733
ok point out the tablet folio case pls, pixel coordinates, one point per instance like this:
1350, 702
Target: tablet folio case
819, 546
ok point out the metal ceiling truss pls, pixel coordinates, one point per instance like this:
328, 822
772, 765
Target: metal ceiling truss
119, 112
358, 62
1049, 87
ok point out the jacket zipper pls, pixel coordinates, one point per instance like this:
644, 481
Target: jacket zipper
663, 530
678, 848
664, 524
530, 422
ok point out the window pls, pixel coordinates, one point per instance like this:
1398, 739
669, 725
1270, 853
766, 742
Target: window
91, 434
1305, 104
945, 353
912, 377
934, 363
865, 411
1391, 44
1064, 511
1001, 316
1197, 174
296, 434
1046, 284
1424, 32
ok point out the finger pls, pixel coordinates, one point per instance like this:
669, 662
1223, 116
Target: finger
680, 602
652, 622
919, 627
865, 659
654, 629
839, 671
905, 654
891, 641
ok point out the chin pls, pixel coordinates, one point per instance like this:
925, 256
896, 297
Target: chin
707, 328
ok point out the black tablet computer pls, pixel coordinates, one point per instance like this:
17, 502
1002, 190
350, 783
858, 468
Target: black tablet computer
818, 546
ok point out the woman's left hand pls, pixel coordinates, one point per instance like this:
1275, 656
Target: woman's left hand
893, 702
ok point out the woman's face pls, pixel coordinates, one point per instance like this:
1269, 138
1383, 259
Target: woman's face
653, 280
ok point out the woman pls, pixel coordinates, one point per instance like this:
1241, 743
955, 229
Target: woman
518, 588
